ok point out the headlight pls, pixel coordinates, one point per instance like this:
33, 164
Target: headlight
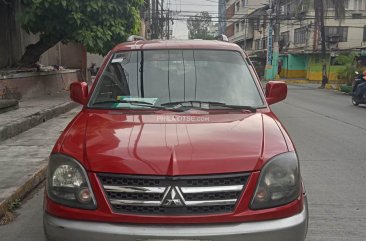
68, 184
279, 182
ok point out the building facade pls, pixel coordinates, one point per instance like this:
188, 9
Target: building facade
239, 25
300, 39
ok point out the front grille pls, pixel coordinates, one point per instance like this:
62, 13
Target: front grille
182, 195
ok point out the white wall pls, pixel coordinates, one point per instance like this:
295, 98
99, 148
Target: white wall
94, 58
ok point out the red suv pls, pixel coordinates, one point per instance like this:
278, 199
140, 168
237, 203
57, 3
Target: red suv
175, 141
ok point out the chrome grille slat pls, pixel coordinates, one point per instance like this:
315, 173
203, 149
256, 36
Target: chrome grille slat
182, 195
135, 202
211, 202
131, 189
211, 189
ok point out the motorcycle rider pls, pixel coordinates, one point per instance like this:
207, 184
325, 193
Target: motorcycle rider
360, 85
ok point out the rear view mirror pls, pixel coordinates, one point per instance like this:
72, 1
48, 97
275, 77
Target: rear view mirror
276, 91
79, 92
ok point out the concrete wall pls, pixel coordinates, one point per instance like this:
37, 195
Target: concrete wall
294, 66
315, 69
94, 58
31, 85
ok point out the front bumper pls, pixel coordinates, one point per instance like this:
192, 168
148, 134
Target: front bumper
287, 229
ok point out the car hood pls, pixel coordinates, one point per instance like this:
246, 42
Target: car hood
173, 144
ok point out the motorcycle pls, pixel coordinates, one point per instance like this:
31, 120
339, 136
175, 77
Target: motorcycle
359, 90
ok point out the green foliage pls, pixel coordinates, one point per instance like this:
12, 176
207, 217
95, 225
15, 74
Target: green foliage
199, 26
346, 73
98, 24
14, 205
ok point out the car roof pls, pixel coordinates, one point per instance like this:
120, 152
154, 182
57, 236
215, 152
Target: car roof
176, 44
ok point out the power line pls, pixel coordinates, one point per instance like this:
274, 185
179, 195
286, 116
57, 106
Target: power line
309, 17
281, 17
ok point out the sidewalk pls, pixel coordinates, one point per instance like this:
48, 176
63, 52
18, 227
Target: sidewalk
33, 112
23, 157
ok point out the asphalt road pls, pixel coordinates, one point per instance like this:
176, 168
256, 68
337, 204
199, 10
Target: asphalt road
330, 135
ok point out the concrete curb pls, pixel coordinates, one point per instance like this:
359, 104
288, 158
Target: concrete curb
25, 188
21, 125
305, 81
300, 81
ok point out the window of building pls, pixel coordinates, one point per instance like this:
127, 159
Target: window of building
264, 43
286, 10
237, 27
256, 24
359, 5
300, 35
337, 34
356, 15
364, 33
261, 43
244, 3
330, 4
347, 4
242, 25
237, 6
248, 45
290, 8
257, 44
285, 38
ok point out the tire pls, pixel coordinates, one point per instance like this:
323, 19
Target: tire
355, 101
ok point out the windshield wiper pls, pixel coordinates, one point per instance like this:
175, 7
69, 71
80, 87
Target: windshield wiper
135, 103
178, 104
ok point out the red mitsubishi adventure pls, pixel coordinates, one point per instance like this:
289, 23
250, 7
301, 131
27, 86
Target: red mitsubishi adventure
175, 141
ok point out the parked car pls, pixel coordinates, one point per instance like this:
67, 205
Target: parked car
175, 141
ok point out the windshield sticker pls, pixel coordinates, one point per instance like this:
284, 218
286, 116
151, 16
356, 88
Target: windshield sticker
151, 101
117, 60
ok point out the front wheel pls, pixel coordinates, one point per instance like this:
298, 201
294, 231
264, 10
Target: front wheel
355, 101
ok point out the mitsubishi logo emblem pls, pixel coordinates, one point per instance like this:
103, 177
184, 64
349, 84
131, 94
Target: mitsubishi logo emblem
173, 197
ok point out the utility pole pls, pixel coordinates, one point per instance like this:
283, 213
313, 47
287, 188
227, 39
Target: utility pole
222, 16
153, 20
268, 69
168, 24
320, 7
245, 33
273, 43
157, 19
162, 19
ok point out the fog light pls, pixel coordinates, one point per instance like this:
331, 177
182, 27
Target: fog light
84, 195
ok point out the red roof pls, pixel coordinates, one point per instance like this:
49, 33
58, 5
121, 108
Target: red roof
177, 44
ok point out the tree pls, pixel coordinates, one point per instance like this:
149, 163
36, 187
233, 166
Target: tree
347, 71
321, 9
97, 24
199, 26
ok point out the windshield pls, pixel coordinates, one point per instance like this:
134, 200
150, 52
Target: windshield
155, 78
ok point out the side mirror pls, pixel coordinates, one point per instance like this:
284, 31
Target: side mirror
276, 91
79, 92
